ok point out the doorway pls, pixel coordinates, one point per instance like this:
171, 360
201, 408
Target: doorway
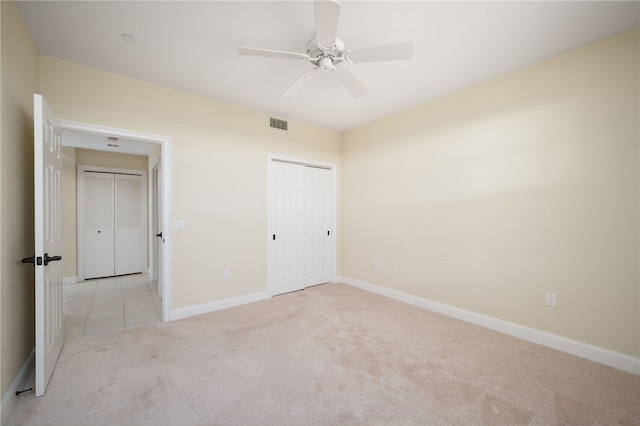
163, 194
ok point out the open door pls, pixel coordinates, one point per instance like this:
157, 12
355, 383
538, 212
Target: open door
48, 241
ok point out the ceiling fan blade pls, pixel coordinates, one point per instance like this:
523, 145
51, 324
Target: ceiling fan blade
350, 82
252, 51
389, 52
327, 15
300, 82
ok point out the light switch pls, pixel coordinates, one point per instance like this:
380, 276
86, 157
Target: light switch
178, 225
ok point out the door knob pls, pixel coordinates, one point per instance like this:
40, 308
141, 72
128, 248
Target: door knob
33, 259
48, 259
159, 235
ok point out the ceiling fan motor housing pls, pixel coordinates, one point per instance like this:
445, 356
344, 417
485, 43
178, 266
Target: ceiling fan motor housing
316, 51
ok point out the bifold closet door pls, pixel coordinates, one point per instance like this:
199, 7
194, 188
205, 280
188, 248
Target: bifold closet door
129, 215
114, 211
99, 221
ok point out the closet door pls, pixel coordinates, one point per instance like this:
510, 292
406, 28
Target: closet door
287, 227
301, 250
129, 220
318, 225
98, 224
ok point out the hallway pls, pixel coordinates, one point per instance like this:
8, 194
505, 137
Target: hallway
109, 305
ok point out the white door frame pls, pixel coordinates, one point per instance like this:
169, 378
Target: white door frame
80, 169
153, 223
165, 143
334, 208
155, 242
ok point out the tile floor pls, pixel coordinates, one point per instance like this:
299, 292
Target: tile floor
108, 305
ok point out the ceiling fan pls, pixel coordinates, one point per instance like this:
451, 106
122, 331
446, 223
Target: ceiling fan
328, 53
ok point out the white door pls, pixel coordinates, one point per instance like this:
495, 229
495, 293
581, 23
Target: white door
301, 253
287, 227
129, 215
114, 218
99, 229
318, 225
48, 241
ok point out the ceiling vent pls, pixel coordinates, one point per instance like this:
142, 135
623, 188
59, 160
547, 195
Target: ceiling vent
275, 123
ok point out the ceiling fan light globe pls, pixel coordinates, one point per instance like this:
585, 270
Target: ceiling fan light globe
326, 64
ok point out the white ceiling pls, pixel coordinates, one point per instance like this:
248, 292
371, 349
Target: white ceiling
192, 46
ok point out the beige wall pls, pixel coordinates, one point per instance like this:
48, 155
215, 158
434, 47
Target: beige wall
19, 83
219, 170
490, 197
72, 158
88, 157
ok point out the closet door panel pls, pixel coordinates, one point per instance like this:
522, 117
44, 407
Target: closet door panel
98, 224
129, 218
318, 225
129, 253
287, 215
99, 260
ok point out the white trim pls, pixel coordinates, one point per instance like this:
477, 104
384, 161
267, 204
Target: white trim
334, 208
600, 355
165, 152
205, 308
10, 398
69, 280
166, 228
152, 222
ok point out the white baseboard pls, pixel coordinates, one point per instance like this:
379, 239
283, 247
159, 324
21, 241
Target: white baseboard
603, 356
205, 308
337, 279
69, 280
9, 399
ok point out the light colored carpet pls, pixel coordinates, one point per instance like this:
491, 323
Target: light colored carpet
331, 354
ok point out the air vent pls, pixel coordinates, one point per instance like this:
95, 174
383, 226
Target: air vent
275, 123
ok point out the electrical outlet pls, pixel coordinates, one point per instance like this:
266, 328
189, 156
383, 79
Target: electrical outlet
178, 225
376, 264
226, 274
551, 300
